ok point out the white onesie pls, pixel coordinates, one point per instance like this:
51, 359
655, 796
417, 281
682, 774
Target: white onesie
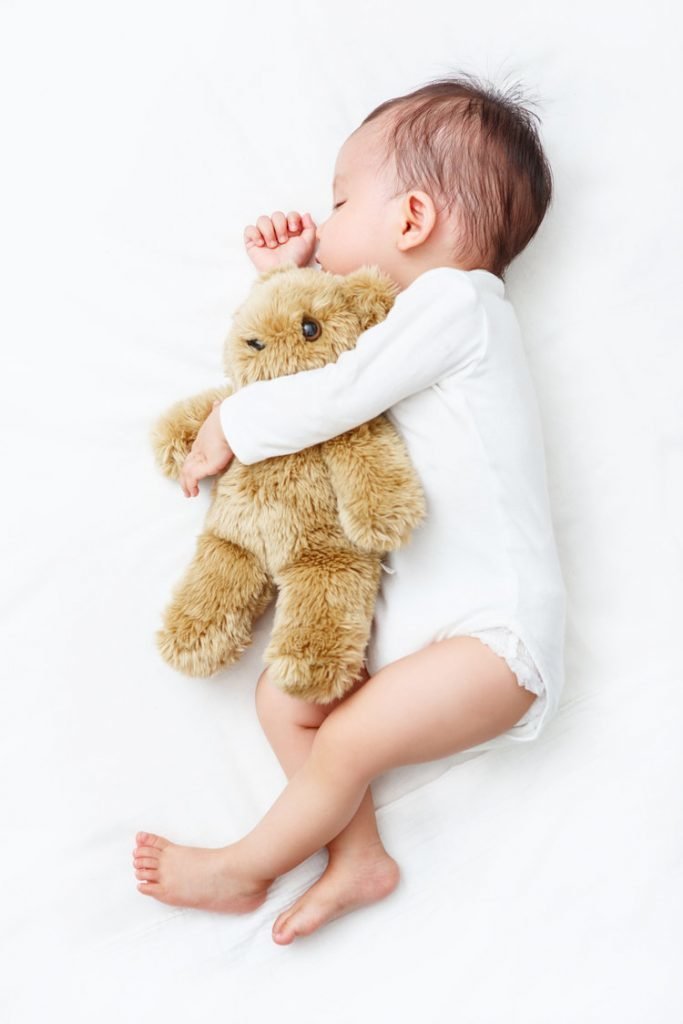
448, 367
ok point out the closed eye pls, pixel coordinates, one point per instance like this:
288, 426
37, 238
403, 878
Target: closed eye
338, 204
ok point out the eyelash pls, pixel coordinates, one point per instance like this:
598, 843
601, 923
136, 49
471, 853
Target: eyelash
338, 204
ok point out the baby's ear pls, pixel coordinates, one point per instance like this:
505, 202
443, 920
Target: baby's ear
370, 294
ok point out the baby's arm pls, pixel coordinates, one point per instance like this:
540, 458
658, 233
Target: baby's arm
269, 242
430, 332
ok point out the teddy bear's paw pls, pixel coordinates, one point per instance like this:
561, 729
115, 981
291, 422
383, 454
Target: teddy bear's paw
384, 536
382, 533
170, 454
312, 679
385, 528
195, 648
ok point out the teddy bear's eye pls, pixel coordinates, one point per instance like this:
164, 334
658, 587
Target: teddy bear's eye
310, 329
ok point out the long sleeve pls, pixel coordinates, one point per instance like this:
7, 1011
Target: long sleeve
434, 328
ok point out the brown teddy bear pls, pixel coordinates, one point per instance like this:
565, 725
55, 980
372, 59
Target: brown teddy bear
311, 526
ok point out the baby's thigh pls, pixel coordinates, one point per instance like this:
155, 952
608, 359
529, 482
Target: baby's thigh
274, 705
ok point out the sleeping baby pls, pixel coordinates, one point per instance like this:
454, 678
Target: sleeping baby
441, 188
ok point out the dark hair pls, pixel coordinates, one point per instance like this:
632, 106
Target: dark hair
471, 146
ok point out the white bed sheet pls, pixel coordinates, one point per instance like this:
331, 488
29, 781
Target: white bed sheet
538, 883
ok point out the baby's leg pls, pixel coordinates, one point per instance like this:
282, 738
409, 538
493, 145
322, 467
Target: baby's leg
359, 869
446, 697
290, 725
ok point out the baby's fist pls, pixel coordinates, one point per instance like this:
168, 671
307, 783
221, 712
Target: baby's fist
279, 239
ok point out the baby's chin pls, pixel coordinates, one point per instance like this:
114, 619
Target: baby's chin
343, 269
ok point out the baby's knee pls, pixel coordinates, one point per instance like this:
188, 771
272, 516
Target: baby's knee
340, 748
274, 706
267, 698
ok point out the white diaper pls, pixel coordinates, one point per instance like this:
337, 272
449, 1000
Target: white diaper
507, 644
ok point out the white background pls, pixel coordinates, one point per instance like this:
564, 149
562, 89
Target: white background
138, 140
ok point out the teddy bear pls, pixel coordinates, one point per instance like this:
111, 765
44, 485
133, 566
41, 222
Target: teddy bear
309, 528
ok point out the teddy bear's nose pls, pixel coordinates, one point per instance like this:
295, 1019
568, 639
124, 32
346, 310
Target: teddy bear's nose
255, 343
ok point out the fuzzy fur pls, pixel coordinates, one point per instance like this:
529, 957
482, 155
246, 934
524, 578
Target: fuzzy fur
310, 527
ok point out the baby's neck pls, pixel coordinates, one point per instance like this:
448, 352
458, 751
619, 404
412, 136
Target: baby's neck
406, 275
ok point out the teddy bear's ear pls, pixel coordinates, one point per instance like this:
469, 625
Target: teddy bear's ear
371, 294
265, 274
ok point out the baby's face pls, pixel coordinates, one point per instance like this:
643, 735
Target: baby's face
362, 227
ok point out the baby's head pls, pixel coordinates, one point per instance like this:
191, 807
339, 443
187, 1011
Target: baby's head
452, 174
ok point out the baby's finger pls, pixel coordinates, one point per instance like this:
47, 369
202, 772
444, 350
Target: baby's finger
265, 225
188, 479
308, 223
252, 236
294, 222
280, 224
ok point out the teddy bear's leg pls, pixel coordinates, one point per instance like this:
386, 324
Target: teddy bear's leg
209, 621
322, 623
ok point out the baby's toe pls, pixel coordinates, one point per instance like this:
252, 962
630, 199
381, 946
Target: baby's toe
149, 888
284, 930
147, 874
281, 919
145, 862
150, 839
148, 851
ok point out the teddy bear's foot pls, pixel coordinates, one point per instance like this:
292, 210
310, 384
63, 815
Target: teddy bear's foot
318, 680
208, 625
199, 649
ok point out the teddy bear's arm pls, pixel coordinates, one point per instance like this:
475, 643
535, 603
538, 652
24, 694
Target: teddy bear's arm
174, 433
379, 495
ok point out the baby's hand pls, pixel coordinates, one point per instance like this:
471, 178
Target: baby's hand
279, 239
209, 454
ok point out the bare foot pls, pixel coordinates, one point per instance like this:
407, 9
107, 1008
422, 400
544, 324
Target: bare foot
192, 876
348, 881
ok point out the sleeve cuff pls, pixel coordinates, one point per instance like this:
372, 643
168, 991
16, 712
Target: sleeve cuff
235, 436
